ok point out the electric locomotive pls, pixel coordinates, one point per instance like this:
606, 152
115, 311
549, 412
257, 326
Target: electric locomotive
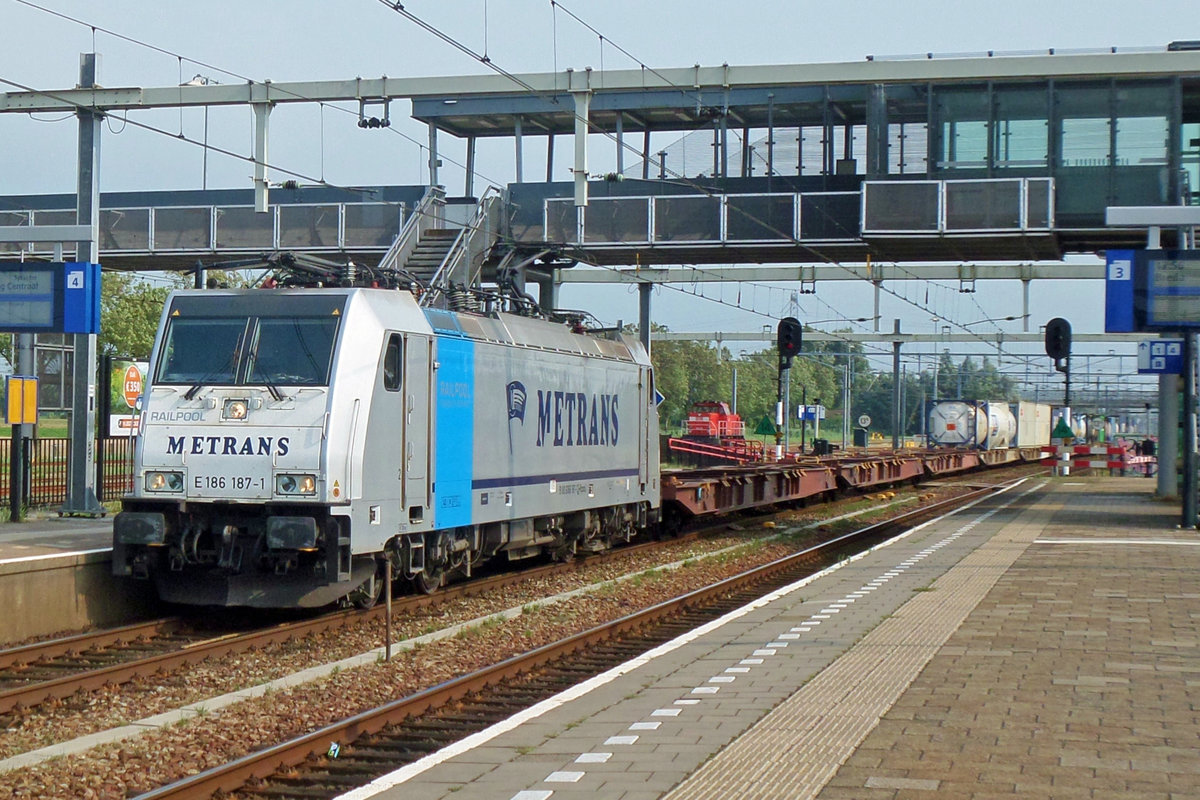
300, 446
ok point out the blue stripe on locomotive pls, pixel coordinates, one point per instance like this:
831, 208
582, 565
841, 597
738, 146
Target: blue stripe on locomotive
455, 448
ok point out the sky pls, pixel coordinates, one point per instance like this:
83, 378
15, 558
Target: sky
310, 40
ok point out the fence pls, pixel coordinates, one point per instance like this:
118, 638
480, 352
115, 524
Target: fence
48, 466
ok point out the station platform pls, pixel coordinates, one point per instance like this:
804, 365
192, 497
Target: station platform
56, 576
52, 535
1042, 642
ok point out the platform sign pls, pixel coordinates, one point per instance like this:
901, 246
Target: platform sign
49, 297
1118, 292
1152, 290
1160, 357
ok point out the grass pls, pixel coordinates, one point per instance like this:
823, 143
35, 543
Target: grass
53, 427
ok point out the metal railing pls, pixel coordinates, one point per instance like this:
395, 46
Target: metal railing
429, 213
47, 469
469, 246
983, 205
314, 227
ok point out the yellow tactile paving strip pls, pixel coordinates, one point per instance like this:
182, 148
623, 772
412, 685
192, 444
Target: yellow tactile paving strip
795, 750
1078, 676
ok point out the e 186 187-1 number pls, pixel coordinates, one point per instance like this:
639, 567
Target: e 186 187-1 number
236, 482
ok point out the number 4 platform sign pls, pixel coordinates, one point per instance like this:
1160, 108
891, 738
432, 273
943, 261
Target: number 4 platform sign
49, 297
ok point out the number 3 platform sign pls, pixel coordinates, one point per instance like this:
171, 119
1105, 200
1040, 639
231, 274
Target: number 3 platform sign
1152, 290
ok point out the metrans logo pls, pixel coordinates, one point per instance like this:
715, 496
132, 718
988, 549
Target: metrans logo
571, 419
228, 445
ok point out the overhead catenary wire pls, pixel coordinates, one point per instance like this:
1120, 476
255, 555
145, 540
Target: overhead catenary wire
482, 59
896, 265
83, 107
233, 74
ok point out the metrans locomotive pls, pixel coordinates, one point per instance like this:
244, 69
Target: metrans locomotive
300, 446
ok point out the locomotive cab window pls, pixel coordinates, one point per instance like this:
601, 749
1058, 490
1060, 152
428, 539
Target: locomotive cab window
391, 364
292, 352
201, 350
276, 349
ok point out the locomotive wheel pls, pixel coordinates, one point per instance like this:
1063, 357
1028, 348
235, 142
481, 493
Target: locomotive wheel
427, 583
367, 595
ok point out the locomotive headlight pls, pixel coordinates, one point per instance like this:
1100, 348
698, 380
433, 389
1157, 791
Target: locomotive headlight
234, 409
296, 484
164, 481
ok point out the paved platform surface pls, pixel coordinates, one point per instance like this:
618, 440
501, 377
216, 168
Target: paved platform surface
1041, 643
53, 536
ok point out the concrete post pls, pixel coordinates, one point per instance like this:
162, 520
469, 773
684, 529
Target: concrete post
644, 314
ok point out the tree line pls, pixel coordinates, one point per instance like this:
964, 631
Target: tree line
686, 372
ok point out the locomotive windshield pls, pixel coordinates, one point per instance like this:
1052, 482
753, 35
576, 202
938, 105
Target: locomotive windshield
226, 349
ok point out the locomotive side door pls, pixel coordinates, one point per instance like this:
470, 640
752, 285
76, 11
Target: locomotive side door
417, 382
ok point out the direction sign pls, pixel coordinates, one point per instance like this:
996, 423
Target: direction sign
1160, 357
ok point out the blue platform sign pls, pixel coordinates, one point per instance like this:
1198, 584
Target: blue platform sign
1118, 292
1160, 357
810, 413
49, 297
1152, 290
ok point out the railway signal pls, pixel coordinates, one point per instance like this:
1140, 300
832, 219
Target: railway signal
1058, 341
789, 334
1058, 347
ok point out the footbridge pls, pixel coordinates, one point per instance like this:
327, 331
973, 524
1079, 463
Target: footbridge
964, 159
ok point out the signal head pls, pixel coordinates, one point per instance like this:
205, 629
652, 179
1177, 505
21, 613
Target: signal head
789, 337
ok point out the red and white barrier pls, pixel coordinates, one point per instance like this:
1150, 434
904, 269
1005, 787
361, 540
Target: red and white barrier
1082, 456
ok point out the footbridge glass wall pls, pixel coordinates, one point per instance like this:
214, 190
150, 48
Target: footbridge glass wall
1110, 142
993, 156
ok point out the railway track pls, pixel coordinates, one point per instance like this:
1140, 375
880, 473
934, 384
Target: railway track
57, 669
36, 673
380, 740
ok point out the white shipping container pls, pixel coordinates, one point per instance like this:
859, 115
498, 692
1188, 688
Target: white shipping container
1034, 423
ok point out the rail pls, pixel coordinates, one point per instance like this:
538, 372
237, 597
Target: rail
234, 775
61, 656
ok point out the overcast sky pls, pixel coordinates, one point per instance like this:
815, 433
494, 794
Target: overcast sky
310, 40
